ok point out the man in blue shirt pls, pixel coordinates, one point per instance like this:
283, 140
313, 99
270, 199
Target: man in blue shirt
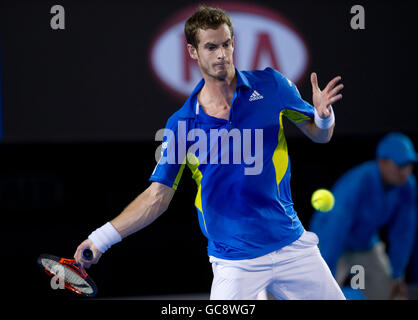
374, 195
229, 133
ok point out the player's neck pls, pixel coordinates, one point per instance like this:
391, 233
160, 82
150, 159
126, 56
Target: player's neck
218, 92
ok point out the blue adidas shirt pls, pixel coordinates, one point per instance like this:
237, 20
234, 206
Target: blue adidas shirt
241, 165
363, 206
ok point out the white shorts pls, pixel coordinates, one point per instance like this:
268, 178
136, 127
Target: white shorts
296, 272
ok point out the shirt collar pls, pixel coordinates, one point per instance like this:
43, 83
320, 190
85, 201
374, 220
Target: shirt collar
242, 80
189, 109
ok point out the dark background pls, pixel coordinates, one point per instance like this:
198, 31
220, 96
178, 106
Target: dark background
81, 107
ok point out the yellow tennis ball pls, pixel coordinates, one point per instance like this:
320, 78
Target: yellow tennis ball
322, 200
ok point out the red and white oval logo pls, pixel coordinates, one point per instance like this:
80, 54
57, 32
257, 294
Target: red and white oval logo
263, 38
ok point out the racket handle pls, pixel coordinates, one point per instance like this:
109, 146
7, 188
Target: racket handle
87, 254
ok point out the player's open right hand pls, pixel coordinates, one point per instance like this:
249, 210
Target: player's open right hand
323, 99
79, 258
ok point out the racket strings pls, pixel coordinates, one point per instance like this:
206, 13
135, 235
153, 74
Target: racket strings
67, 275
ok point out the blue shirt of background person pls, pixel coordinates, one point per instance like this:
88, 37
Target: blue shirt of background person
373, 195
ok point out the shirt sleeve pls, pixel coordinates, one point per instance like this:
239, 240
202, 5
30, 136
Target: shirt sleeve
401, 230
294, 107
170, 166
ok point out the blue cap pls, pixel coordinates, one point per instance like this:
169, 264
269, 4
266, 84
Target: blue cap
397, 147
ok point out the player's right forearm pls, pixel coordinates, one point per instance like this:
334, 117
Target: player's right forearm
147, 207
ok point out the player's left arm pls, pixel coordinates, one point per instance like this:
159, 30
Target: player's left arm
322, 101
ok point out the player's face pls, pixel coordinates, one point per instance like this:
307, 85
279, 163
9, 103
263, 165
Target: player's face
214, 52
394, 174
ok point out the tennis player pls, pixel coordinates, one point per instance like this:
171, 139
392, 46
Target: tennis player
256, 241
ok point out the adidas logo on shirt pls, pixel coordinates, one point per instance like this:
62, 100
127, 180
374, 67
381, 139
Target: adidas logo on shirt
255, 96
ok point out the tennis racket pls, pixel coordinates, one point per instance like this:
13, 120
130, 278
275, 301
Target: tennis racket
69, 273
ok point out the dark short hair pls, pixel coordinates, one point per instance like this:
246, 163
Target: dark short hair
205, 18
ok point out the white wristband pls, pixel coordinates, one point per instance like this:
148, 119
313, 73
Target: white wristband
104, 237
324, 123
